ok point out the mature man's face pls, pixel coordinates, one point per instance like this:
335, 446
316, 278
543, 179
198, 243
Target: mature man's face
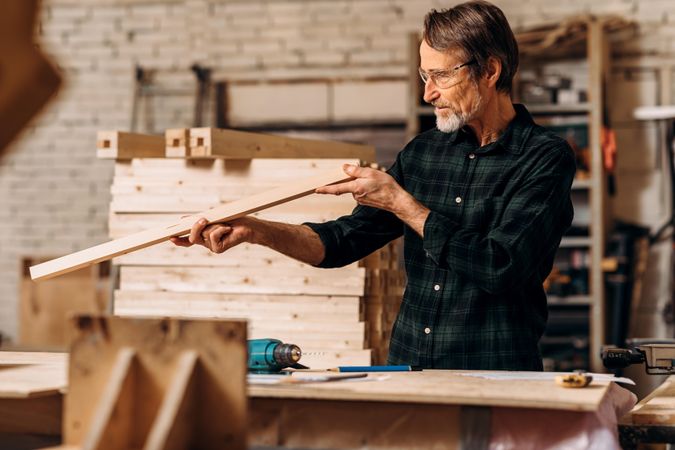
458, 100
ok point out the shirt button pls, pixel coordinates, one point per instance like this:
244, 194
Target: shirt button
472, 156
437, 287
458, 200
427, 330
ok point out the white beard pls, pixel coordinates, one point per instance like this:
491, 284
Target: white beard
453, 121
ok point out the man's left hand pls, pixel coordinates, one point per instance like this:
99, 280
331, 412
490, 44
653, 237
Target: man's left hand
370, 187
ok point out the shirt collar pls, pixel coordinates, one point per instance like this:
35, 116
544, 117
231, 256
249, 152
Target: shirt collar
512, 140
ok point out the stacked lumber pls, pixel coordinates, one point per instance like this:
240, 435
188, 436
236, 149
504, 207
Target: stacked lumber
337, 316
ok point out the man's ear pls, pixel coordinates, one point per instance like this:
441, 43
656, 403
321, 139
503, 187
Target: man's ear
493, 71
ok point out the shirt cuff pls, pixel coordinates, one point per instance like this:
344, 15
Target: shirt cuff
437, 232
330, 242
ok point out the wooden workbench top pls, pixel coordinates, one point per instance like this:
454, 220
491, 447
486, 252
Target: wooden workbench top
445, 387
24, 375
32, 374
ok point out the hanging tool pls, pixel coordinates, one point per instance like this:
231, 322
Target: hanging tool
272, 355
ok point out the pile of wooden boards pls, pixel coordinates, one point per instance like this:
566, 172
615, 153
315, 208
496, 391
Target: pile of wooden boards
337, 316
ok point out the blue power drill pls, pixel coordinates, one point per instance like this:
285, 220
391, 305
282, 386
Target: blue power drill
272, 355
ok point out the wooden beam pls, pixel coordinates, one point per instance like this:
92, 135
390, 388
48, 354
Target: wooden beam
230, 211
173, 427
112, 422
123, 145
177, 142
231, 144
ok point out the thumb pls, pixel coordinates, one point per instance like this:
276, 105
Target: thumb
352, 170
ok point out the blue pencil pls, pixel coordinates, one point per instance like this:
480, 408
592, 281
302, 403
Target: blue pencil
375, 369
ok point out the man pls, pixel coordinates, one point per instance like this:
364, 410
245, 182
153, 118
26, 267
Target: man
482, 202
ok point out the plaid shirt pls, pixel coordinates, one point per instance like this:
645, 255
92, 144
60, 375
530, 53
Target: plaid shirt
474, 297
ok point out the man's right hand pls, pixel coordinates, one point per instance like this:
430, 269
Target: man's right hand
216, 237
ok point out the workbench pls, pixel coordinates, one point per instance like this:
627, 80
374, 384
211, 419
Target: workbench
411, 410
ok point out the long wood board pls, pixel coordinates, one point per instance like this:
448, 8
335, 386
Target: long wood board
219, 143
230, 211
123, 145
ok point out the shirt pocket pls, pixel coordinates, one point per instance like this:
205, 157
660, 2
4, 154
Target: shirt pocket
484, 214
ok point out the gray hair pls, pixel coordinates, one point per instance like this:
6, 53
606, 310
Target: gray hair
478, 29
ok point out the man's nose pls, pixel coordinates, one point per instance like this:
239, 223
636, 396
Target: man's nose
430, 91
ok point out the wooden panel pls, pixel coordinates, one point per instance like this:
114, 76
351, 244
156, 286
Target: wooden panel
218, 143
352, 425
38, 415
160, 347
149, 237
123, 145
309, 281
44, 307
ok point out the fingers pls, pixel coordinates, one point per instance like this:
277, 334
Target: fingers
352, 170
339, 189
216, 238
196, 231
181, 241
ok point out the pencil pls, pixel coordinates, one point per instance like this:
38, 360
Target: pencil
375, 369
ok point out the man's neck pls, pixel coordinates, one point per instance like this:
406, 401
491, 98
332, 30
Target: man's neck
493, 120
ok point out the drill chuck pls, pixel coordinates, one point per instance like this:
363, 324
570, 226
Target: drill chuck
287, 354
271, 355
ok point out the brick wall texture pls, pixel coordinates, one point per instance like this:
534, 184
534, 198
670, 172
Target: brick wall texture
54, 192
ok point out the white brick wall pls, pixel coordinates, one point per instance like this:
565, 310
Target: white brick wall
54, 191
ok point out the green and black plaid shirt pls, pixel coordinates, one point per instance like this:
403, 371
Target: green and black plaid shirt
474, 298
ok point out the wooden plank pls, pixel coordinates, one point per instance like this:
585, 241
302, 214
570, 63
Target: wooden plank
225, 172
153, 236
243, 255
338, 306
219, 143
314, 281
123, 145
325, 358
177, 142
121, 225
179, 204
